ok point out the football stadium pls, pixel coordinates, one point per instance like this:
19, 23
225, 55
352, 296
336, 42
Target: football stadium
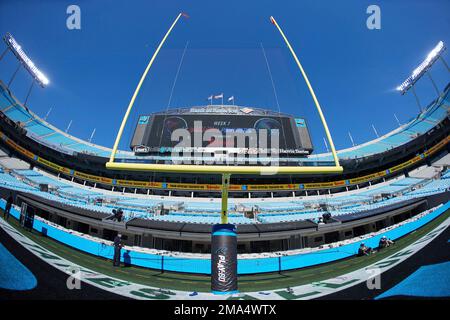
222, 200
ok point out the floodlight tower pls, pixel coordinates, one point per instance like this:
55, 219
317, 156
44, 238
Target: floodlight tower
423, 68
25, 61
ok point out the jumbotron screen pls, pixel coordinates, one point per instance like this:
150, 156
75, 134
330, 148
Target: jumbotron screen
159, 131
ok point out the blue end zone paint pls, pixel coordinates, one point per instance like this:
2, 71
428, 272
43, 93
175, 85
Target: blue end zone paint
13, 274
427, 281
245, 266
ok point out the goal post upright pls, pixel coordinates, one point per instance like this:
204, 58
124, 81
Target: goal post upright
138, 88
223, 169
225, 187
311, 90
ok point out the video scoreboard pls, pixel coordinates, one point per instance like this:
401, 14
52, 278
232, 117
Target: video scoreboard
160, 131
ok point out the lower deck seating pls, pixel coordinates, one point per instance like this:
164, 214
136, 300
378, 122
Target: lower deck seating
195, 211
446, 174
13, 163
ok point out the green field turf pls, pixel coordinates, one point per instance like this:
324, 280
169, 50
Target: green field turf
247, 283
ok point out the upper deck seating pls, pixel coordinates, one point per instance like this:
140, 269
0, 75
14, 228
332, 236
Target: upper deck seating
433, 114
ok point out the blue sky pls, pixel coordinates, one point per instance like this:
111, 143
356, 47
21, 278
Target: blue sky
354, 70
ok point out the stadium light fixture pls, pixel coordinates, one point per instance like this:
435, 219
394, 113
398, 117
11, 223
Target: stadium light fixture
26, 61
422, 68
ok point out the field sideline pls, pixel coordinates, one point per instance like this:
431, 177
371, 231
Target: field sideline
247, 283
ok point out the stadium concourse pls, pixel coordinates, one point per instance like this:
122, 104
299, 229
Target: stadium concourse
297, 232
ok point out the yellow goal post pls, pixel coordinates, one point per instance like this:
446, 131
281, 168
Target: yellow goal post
225, 170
